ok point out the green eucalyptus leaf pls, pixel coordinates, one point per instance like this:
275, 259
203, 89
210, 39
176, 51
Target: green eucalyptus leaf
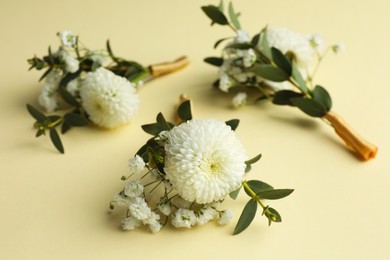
184, 111
221, 6
65, 127
233, 16
297, 76
215, 14
255, 39
74, 119
215, 61
257, 186
55, 138
309, 106
235, 193
69, 98
163, 124
264, 45
143, 152
45, 74
253, 160
240, 46
283, 97
270, 72
281, 61
153, 129
275, 215
109, 50
248, 168
233, 123
217, 43
40, 132
274, 194
322, 96
247, 216
41, 118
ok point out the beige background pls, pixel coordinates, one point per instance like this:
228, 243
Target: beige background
56, 206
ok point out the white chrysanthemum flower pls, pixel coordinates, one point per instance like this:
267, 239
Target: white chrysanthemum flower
204, 160
109, 100
134, 189
136, 164
338, 48
225, 217
239, 99
130, 223
184, 218
139, 208
48, 98
205, 215
67, 38
291, 42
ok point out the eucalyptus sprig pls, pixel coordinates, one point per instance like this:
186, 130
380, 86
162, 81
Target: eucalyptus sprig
68, 70
180, 202
254, 63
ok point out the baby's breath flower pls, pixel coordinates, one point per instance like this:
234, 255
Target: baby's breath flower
316, 42
67, 38
136, 164
134, 189
338, 48
139, 208
130, 223
48, 98
121, 201
239, 100
204, 160
165, 208
109, 100
205, 215
225, 82
225, 217
184, 218
71, 64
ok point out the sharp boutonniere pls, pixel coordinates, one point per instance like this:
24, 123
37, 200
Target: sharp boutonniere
279, 65
186, 170
87, 86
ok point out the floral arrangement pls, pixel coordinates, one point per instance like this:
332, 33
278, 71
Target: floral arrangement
89, 87
183, 173
279, 65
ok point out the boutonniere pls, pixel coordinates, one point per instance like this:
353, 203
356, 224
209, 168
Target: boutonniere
279, 65
186, 170
87, 86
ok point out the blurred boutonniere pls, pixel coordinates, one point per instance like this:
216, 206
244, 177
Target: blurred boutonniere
186, 170
279, 65
87, 86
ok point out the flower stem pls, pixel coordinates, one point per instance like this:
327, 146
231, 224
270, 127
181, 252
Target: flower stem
356, 143
253, 194
160, 69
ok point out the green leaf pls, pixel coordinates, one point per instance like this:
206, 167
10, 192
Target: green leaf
143, 152
235, 193
221, 6
281, 61
274, 194
322, 96
309, 106
215, 61
240, 46
233, 123
297, 76
275, 215
257, 187
283, 97
41, 118
68, 78
220, 41
184, 111
55, 138
65, 127
233, 16
109, 50
264, 45
247, 216
69, 98
74, 119
253, 160
248, 168
215, 14
255, 39
45, 74
153, 129
270, 72
163, 124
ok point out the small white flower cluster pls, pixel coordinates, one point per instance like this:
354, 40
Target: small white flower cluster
236, 67
108, 99
204, 161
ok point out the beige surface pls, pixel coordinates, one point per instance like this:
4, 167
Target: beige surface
56, 206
